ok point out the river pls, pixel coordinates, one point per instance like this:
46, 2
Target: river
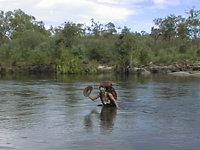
157, 112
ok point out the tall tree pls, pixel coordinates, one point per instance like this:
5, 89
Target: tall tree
125, 46
5, 25
155, 34
182, 28
167, 26
70, 33
194, 23
96, 28
110, 29
21, 22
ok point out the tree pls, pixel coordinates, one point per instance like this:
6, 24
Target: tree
110, 29
96, 28
21, 22
194, 23
70, 33
167, 26
125, 46
182, 28
5, 27
155, 34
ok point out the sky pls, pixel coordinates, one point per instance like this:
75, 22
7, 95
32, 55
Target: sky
137, 15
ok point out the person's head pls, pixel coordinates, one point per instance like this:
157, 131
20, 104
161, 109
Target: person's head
102, 89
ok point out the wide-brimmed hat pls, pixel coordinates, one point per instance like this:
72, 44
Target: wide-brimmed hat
87, 91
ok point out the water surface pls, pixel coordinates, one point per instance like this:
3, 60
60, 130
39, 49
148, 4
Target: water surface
43, 112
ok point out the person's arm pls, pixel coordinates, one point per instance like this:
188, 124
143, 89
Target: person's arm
113, 100
94, 98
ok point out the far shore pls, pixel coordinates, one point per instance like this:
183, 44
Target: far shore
183, 70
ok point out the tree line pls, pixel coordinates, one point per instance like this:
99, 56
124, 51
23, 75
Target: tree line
76, 48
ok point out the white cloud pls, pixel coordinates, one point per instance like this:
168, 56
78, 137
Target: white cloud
45, 4
145, 26
159, 1
120, 2
82, 10
165, 3
56, 12
108, 1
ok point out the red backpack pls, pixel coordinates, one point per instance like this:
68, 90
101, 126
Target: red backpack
108, 85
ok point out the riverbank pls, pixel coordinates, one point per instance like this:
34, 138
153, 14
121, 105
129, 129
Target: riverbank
182, 69
32, 69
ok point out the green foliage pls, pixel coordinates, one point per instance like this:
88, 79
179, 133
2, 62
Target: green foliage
163, 57
198, 53
99, 49
70, 66
37, 57
68, 63
70, 33
94, 49
92, 67
110, 29
96, 28
183, 49
125, 46
30, 39
145, 56
8, 52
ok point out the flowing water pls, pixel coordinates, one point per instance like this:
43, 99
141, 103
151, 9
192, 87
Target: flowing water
43, 112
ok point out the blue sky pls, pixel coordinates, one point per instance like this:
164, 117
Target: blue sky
137, 15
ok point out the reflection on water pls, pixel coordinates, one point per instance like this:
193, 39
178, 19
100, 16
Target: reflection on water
106, 117
50, 112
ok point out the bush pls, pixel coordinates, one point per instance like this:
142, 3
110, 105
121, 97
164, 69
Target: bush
144, 56
183, 49
69, 64
198, 52
37, 57
99, 50
163, 57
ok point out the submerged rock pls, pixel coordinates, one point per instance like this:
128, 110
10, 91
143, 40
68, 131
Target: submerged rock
186, 74
103, 68
196, 75
180, 74
139, 71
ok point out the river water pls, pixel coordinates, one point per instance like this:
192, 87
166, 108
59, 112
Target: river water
157, 112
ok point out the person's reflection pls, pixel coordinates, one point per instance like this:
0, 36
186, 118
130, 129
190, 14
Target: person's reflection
106, 116
88, 120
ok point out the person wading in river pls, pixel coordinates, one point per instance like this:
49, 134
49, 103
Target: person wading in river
107, 95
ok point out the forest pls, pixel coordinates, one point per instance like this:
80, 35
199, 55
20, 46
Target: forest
74, 48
